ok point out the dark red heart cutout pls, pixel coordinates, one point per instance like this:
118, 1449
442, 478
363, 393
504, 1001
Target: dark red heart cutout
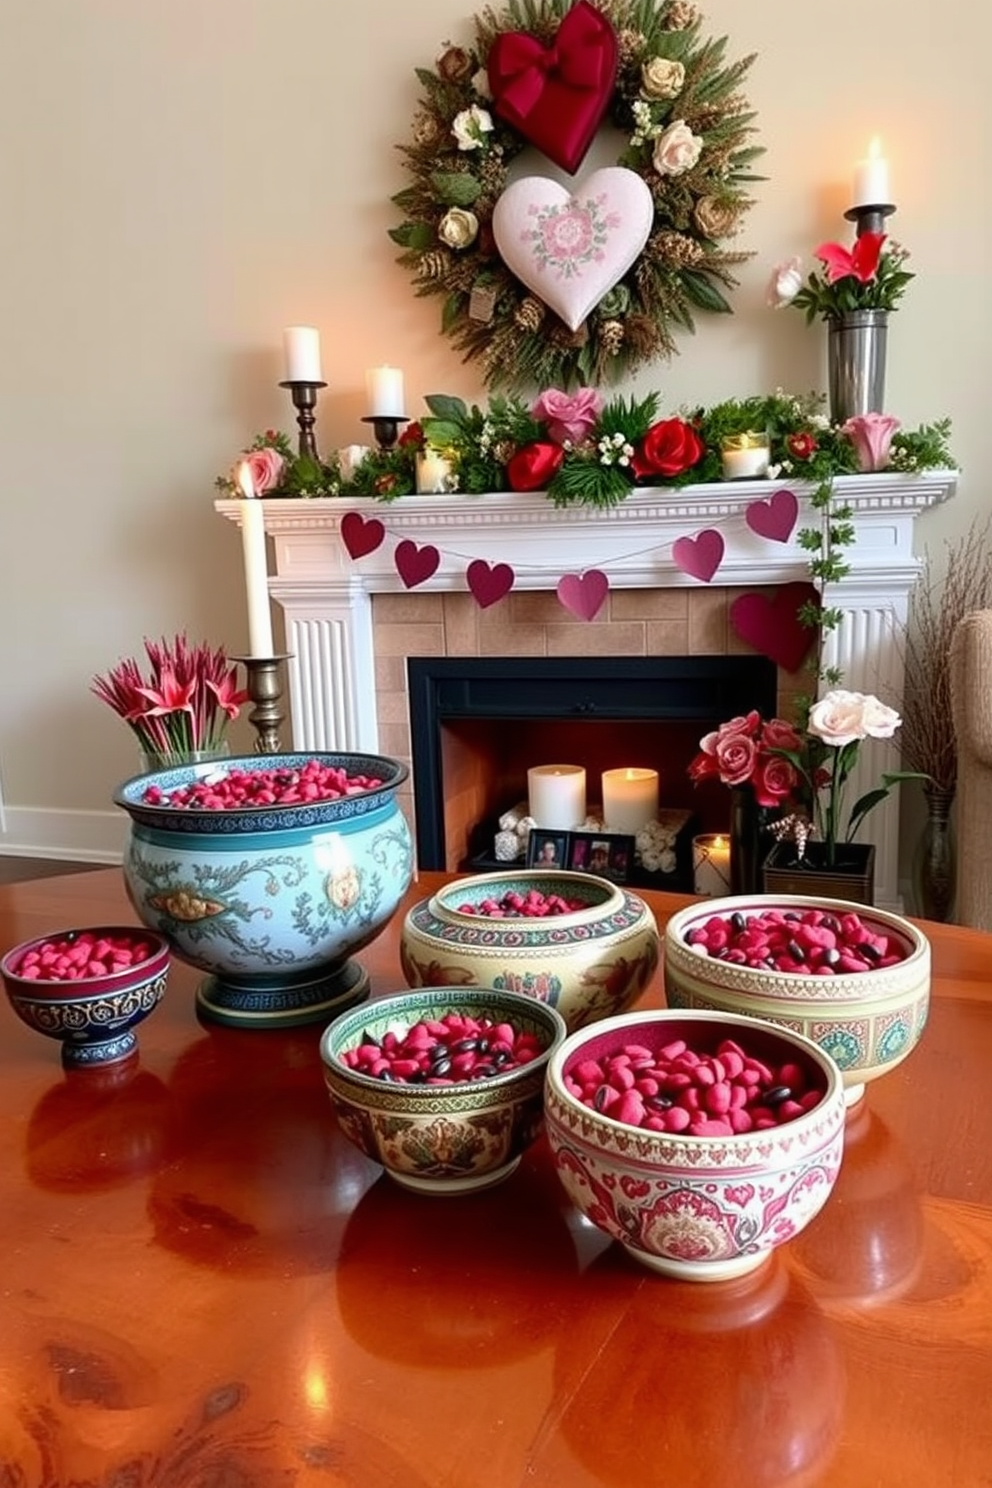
415, 565
556, 95
489, 583
361, 536
770, 623
774, 517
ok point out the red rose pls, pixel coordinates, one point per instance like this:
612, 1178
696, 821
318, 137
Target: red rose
801, 446
736, 758
412, 434
668, 448
533, 467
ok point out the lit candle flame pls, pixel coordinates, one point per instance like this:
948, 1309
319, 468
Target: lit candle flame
245, 481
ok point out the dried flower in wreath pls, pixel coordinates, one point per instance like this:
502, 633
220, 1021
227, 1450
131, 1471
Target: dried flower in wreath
688, 134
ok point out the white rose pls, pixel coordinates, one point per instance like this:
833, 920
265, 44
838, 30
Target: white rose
662, 78
458, 228
879, 721
471, 126
480, 82
838, 718
349, 459
676, 149
785, 283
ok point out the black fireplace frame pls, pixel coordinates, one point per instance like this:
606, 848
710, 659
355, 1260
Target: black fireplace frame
611, 688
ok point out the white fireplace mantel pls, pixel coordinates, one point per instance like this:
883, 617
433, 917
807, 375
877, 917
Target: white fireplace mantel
326, 595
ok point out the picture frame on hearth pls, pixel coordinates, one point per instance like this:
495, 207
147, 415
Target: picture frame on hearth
604, 854
547, 849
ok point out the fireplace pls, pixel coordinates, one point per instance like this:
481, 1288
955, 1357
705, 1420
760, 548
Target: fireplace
478, 723
351, 624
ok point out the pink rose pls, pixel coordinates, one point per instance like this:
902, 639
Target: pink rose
736, 757
745, 723
774, 780
777, 734
265, 466
568, 416
871, 434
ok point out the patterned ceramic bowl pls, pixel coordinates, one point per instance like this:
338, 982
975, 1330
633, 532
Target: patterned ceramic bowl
696, 1208
867, 1021
593, 961
441, 1139
271, 901
92, 1016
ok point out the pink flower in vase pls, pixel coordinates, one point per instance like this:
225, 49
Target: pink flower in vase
871, 434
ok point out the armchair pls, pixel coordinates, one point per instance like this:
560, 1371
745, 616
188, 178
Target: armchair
971, 706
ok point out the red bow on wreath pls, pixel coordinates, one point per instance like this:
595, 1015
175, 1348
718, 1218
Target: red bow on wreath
556, 95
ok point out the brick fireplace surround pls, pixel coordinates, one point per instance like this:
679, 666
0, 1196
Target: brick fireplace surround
351, 624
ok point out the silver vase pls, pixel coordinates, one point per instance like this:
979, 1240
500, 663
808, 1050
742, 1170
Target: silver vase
856, 363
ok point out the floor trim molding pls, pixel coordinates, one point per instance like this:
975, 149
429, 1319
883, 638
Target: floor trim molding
69, 836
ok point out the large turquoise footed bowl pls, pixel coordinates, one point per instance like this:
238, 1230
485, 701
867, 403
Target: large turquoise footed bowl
271, 901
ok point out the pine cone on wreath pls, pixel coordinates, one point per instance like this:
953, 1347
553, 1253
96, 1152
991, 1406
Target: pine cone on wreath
529, 314
434, 264
611, 337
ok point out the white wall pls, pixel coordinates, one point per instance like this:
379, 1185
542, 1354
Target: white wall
180, 180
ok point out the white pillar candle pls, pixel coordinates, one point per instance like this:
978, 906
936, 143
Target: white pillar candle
434, 473
256, 568
556, 796
301, 349
871, 179
384, 386
711, 865
630, 799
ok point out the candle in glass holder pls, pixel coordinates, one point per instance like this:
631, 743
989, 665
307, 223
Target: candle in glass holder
556, 796
745, 456
711, 865
435, 473
630, 799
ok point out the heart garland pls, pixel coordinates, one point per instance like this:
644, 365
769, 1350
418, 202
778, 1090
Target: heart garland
768, 623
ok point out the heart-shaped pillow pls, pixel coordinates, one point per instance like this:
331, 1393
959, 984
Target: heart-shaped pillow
770, 623
556, 95
571, 247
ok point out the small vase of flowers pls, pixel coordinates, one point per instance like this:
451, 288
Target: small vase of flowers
180, 710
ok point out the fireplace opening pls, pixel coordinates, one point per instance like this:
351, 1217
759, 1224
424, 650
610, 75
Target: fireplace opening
478, 724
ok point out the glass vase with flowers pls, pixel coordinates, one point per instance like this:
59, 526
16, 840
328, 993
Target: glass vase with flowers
180, 710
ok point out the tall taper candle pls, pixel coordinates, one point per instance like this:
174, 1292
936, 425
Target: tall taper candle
256, 568
301, 347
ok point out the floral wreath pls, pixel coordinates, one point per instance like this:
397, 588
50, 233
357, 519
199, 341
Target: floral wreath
687, 127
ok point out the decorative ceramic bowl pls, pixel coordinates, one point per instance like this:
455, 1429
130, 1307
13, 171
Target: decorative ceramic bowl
271, 901
441, 1139
93, 1017
594, 961
693, 1207
867, 1021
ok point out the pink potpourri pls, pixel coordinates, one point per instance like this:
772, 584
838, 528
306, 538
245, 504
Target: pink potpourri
516, 906
72, 958
815, 942
676, 1090
235, 790
444, 1051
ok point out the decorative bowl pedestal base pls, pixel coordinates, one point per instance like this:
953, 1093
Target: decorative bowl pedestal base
700, 1270
439, 1187
282, 1001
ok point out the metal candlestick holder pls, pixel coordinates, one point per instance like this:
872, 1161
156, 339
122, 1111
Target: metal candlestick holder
304, 396
264, 683
869, 218
386, 429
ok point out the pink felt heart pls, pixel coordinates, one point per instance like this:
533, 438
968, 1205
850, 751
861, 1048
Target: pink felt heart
774, 517
770, 623
699, 556
488, 583
415, 565
361, 535
571, 247
556, 95
584, 593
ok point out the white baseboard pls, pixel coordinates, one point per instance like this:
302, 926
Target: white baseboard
69, 836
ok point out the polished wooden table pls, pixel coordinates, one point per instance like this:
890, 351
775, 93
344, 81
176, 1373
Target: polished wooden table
203, 1285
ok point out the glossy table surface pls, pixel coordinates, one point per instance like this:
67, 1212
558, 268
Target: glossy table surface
204, 1285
